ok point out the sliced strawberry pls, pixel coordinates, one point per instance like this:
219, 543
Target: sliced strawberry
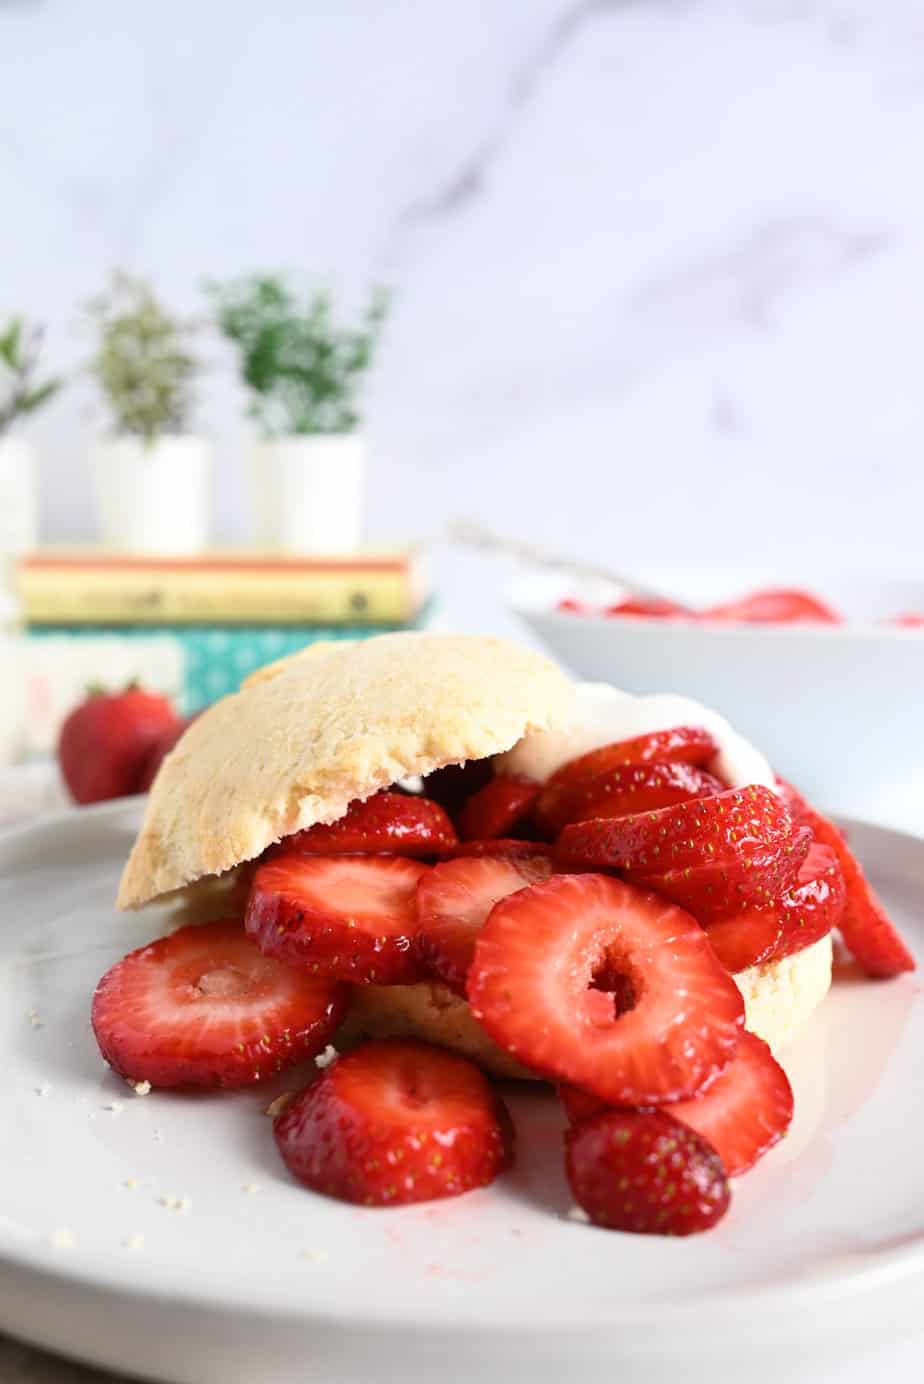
645, 1172
579, 1105
203, 1007
814, 905
502, 848
396, 823
640, 788
543, 951
721, 888
869, 933
747, 938
684, 744
720, 828
803, 915
743, 1111
800, 810
775, 606
653, 608
497, 808
454, 899
910, 620
713, 855
352, 917
396, 1121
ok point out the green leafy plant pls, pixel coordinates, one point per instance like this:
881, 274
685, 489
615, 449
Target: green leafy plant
20, 394
304, 370
143, 363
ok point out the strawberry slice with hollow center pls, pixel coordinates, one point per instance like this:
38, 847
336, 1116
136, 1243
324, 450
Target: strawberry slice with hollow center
396, 823
497, 808
640, 788
542, 952
453, 901
645, 1172
203, 1007
871, 936
803, 915
743, 1112
352, 917
396, 1121
684, 744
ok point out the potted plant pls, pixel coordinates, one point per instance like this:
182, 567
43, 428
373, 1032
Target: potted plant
151, 474
304, 373
21, 395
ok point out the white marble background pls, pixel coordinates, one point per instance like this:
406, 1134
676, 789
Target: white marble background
659, 266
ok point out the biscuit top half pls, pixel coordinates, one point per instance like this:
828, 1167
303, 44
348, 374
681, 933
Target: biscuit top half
306, 736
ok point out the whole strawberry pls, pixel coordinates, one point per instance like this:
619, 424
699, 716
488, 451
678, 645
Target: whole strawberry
106, 742
645, 1172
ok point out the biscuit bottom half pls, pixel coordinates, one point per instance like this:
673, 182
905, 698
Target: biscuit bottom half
779, 998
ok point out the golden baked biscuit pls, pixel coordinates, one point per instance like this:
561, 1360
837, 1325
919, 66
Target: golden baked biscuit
307, 735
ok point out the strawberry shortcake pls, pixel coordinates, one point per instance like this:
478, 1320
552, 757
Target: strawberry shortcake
439, 854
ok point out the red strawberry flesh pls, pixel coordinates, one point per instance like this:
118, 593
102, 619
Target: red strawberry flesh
870, 935
453, 901
534, 984
684, 744
722, 827
775, 606
351, 917
396, 823
653, 608
636, 788
393, 1122
497, 808
500, 847
643, 1171
203, 1007
716, 890
802, 916
743, 1112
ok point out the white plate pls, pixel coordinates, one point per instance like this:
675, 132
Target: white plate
276, 1283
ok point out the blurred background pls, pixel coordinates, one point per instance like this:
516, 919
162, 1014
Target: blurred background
656, 266
654, 276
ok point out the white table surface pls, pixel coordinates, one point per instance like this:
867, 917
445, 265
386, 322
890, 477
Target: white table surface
35, 788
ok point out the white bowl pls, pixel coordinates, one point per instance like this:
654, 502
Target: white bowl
836, 708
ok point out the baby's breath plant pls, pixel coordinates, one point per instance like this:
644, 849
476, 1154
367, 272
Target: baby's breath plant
144, 367
303, 369
20, 393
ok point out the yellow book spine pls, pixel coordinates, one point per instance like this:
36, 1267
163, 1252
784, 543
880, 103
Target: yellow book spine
124, 597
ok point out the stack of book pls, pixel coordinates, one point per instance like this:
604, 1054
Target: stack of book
195, 627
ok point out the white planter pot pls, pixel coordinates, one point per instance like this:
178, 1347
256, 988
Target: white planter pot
308, 492
17, 497
153, 499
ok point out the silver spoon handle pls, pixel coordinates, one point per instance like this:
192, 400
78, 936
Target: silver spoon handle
475, 535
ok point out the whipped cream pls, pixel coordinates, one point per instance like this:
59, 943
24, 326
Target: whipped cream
603, 715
